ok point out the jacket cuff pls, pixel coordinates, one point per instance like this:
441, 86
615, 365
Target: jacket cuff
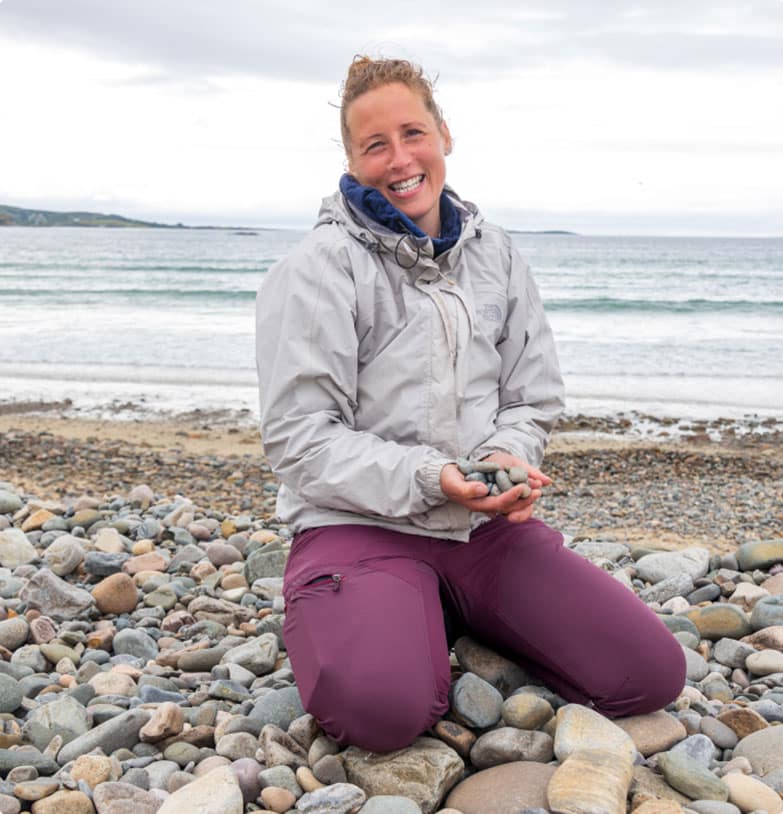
485, 450
428, 480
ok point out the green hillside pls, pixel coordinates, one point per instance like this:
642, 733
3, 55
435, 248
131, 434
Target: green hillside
16, 216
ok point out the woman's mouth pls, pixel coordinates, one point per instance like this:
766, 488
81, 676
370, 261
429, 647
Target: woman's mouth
408, 185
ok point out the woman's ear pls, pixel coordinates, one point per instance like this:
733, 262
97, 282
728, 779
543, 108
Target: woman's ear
447, 142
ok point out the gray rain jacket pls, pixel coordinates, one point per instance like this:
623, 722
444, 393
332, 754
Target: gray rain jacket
379, 364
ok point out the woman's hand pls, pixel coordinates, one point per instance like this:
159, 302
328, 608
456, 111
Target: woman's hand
475, 496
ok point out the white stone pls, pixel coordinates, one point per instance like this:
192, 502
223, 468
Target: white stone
15, 548
749, 794
216, 792
580, 728
693, 561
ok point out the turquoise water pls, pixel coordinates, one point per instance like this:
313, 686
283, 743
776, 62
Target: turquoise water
162, 320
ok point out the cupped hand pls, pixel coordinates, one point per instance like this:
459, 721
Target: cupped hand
475, 496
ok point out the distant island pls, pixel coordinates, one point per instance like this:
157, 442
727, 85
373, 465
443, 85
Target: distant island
540, 232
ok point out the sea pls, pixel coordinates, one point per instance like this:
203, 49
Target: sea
154, 323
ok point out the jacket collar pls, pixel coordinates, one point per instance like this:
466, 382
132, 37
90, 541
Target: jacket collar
371, 203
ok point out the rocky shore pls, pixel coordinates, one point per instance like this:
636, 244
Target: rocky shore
144, 668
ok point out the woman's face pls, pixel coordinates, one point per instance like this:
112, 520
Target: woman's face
398, 148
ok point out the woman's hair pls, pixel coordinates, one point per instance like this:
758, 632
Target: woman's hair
365, 73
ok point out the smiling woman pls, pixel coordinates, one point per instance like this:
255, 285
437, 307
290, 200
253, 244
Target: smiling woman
406, 366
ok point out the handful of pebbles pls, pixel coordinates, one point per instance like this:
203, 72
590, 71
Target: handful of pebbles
495, 476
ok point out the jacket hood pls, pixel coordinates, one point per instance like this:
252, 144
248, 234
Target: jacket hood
407, 248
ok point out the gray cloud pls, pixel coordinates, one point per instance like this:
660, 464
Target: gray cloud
194, 39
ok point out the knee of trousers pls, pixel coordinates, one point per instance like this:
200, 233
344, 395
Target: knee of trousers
373, 716
649, 685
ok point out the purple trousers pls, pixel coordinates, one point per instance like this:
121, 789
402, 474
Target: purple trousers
367, 641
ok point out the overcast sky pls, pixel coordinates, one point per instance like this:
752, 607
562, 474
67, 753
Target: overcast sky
649, 117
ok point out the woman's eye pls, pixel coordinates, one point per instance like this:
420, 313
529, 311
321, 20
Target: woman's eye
375, 146
414, 131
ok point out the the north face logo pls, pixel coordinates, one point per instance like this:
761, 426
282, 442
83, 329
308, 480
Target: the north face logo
491, 313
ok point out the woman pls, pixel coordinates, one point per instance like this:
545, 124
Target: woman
402, 333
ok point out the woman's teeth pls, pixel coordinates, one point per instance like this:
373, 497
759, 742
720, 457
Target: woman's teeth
406, 186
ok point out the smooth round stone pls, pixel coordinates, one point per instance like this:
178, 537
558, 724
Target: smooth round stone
749, 794
510, 787
278, 800
706, 593
390, 804
279, 707
760, 554
743, 721
696, 668
104, 563
580, 728
159, 773
677, 623
689, 777
732, 653
10, 694
15, 548
216, 791
282, 777
500, 672
222, 554
9, 805
721, 735
9, 502
237, 745
715, 687
698, 747
693, 561
767, 613
720, 621
765, 663
764, 750
113, 684
64, 555
163, 597
338, 797
258, 655
747, 595
712, 807
182, 753
64, 802
687, 639
201, 661
329, 770
246, 771
116, 594
135, 643
654, 732
155, 695
507, 744
93, 769
9, 585
30, 656
32, 790
476, 701
526, 711
14, 632
137, 777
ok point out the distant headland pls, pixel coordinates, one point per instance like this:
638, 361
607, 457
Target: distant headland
17, 216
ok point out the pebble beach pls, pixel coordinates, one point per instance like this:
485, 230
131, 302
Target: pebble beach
144, 667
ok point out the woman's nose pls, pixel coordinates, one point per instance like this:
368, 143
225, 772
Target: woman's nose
400, 155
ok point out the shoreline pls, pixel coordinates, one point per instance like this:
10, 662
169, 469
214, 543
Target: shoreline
609, 483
